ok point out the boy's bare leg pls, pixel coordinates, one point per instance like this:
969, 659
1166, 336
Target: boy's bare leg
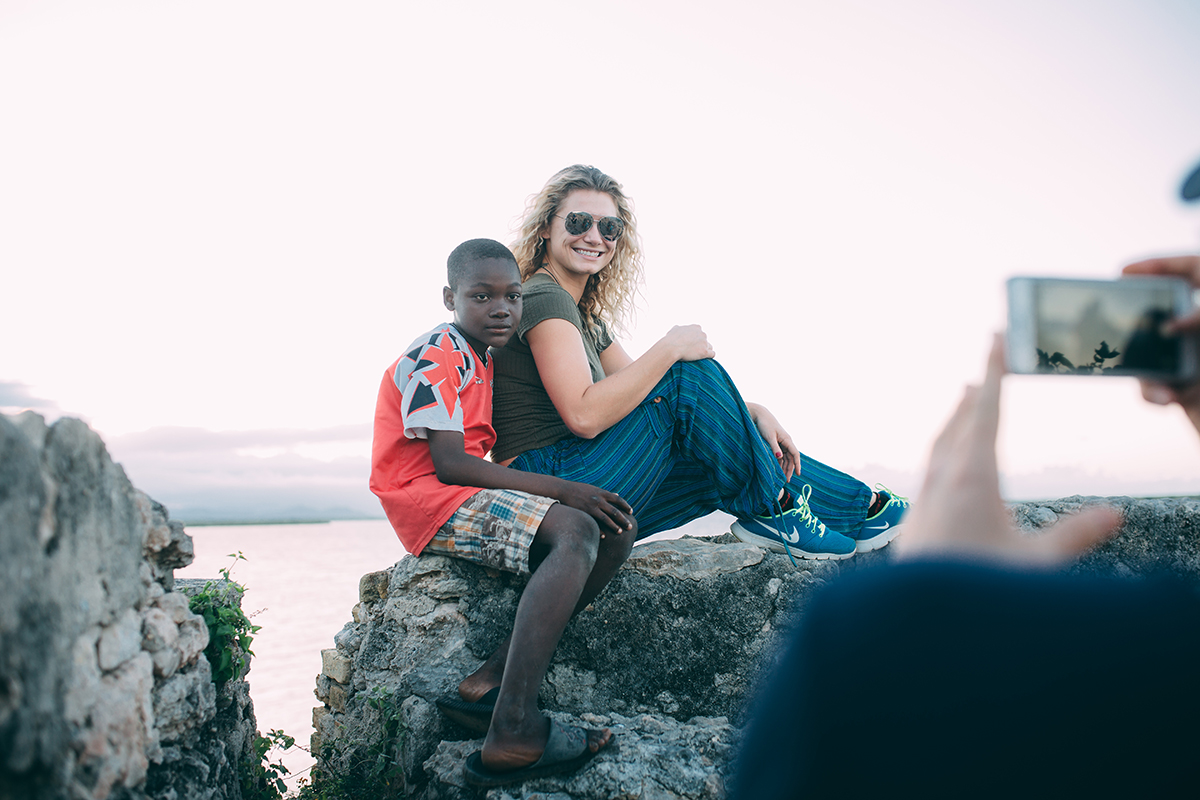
487, 677
614, 550
568, 546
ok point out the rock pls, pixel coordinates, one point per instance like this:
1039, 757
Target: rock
668, 656
335, 666
648, 759
103, 689
185, 702
677, 640
1159, 534
120, 641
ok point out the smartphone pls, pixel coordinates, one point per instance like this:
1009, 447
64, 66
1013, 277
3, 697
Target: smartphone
1065, 326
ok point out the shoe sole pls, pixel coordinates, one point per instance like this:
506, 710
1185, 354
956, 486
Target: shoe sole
876, 542
743, 535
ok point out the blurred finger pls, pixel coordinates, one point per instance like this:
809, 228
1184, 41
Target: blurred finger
947, 441
1184, 266
987, 413
1082, 531
1158, 393
1188, 323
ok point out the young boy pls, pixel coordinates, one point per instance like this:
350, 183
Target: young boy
432, 430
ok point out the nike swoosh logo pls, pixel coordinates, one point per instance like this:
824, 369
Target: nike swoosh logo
885, 526
794, 538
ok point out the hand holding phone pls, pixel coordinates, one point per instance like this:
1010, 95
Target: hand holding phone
1061, 326
1187, 395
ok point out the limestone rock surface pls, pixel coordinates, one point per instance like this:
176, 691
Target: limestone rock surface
104, 691
669, 656
1159, 534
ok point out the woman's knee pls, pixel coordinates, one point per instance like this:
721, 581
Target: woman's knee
705, 369
704, 378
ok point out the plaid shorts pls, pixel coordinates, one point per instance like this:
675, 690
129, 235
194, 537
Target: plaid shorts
495, 528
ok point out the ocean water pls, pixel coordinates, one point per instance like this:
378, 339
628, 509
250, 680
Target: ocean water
301, 583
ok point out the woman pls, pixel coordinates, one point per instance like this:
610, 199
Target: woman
668, 431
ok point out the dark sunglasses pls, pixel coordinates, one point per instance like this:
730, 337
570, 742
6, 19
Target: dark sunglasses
579, 222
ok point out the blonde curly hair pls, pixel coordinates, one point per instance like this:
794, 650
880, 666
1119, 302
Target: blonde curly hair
609, 294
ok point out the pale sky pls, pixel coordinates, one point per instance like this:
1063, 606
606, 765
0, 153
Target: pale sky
220, 222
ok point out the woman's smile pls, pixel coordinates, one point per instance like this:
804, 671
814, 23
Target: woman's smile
586, 253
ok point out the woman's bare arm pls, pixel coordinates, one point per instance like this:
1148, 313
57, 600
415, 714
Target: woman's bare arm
587, 408
614, 359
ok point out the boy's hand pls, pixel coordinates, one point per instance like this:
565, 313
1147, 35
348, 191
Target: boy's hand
612, 513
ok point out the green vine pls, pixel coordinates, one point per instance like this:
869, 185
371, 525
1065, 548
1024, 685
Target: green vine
230, 631
354, 771
261, 779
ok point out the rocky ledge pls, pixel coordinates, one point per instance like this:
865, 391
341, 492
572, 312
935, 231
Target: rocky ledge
104, 691
668, 657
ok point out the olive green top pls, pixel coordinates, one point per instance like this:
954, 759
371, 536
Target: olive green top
522, 414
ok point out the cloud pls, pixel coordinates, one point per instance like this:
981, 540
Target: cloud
18, 397
203, 475
193, 440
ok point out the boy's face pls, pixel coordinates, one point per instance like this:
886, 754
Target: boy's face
486, 303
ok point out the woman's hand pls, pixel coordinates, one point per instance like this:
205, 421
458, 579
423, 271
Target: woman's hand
777, 439
689, 343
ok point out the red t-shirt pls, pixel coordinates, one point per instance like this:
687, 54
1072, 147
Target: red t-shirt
438, 384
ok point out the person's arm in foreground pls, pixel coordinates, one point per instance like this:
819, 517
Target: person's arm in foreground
1187, 395
960, 512
455, 466
588, 409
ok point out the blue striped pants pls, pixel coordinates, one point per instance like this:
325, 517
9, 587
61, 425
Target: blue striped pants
691, 448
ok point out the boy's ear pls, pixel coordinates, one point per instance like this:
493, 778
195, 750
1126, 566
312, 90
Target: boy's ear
448, 297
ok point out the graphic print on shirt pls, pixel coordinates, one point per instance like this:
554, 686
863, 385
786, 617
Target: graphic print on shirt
430, 378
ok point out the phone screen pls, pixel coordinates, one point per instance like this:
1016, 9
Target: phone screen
1084, 327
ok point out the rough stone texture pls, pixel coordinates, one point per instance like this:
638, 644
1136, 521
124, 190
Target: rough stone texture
104, 691
684, 760
670, 653
1159, 534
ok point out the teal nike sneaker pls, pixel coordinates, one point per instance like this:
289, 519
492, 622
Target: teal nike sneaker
795, 532
884, 525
